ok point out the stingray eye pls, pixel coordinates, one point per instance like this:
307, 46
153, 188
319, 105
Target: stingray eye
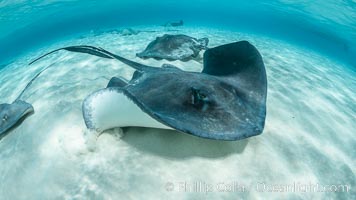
5, 118
198, 98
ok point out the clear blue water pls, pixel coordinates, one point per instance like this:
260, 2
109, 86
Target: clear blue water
309, 52
327, 26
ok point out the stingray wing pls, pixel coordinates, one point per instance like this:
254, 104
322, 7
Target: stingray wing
12, 115
241, 65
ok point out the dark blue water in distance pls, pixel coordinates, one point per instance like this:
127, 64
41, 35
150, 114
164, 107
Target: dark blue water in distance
326, 26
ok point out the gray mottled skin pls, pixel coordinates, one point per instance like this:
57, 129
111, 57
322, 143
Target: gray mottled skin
174, 47
117, 82
11, 115
226, 101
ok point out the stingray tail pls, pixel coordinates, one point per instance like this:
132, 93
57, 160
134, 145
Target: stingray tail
135, 65
80, 49
31, 81
35, 60
97, 51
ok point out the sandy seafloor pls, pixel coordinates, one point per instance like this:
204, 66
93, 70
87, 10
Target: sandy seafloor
309, 136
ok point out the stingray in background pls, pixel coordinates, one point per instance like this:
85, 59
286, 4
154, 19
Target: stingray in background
226, 101
174, 47
174, 24
123, 32
12, 115
130, 31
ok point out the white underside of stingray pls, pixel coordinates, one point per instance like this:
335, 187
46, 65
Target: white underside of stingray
110, 108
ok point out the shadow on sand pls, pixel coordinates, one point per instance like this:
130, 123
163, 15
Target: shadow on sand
175, 145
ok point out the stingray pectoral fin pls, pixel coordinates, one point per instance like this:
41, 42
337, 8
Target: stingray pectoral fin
142, 55
136, 75
203, 42
116, 82
233, 59
241, 65
169, 66
12, 115
111, 107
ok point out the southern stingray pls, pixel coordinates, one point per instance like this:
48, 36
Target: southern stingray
12, 115
130, 31
174, 47
123, 32
174, 24
226, 101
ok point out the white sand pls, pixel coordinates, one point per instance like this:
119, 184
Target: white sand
309, 135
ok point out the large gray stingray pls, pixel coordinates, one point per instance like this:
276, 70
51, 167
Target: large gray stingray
12, 115
174, 47
226, 101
